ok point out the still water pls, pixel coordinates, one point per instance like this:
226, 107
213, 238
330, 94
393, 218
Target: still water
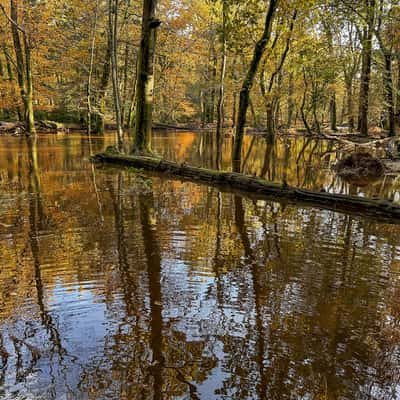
117, 285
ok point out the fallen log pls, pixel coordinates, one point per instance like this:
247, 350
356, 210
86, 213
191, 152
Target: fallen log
255, 187
159, 125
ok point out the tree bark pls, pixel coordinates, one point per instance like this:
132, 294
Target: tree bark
220, 108
333, 111
350, 104
290, 101
398, 92
105, 78
113, 32
24, 68
249, 82
90, 74
145, 79
389, 97
29, 112
366, 69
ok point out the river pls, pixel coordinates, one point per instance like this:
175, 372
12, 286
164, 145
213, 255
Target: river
118, 285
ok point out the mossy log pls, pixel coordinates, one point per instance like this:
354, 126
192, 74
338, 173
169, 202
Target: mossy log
254, 187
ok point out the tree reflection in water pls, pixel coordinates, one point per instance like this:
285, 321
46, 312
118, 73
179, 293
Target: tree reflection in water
181, 291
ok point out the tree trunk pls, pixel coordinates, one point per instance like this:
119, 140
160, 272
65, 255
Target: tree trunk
24, 68
290, 101
124, 117
366, 69
350, 108
398, 92
113, 32
105, 78
270, 120
248, 84
12, 85
234, 110
29, 113
220, 108
333, 111
213, 79
389, 97
145, 79
90, 74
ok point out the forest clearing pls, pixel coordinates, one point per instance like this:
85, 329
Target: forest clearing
199, 199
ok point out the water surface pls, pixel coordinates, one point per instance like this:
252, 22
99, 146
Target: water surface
116, 285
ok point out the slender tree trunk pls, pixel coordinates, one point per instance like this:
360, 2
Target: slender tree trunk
302, 107
343, 109
202, 109
24, 68
350, 108
389, 97
113, 31
12, 84
145, 79
124, 120
290, 101
234, 110
270, 120
333, 111
131, 112
29, 112
398, 92
248, 84
19, 57
366, 69
220, 108
105, 78
90, 73
212, 92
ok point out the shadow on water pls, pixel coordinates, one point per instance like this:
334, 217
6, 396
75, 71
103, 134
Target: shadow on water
117, 285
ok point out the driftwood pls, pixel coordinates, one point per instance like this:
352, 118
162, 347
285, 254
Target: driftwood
258, 188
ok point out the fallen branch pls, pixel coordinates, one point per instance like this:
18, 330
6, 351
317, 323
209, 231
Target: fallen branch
372, 143
256, 187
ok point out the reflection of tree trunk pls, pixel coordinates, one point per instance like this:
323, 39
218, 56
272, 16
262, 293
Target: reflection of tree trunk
153, 257
286, 159
257, 289
127, 278
218, 262
269, 161
36, 223
246, 159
